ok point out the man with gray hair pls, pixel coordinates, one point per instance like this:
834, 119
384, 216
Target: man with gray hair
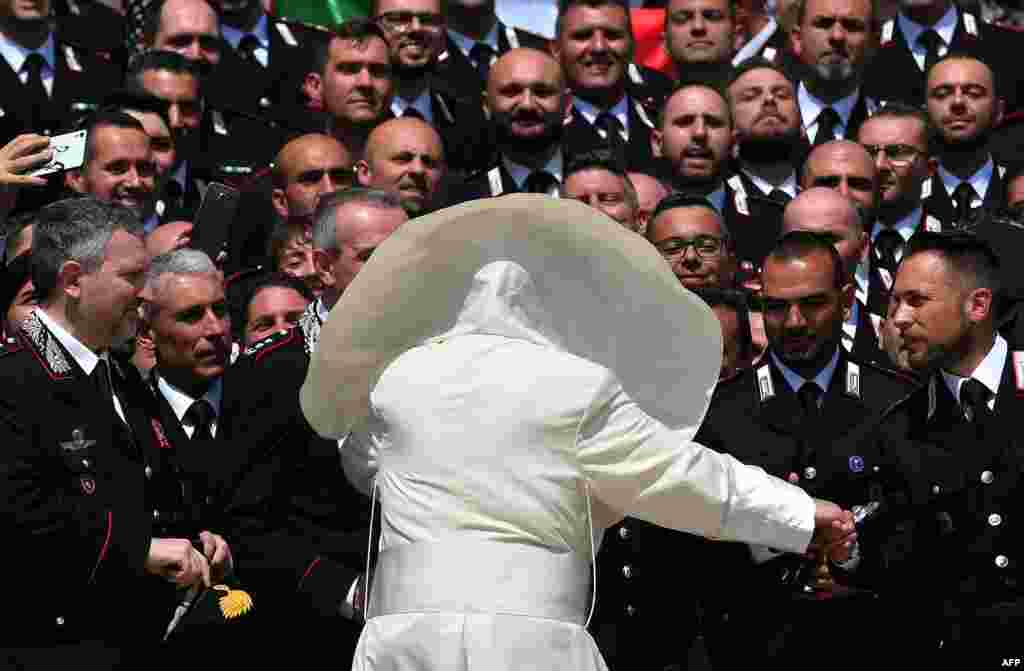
185, 316
104, 529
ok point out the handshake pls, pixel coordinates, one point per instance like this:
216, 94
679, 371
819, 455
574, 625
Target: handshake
835, 532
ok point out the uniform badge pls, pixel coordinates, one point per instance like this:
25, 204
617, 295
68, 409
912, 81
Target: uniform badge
634, 74
159, 435
1002, 171
78, 442
1018, 371
852, 379
234, 602
769, 54
88, 485
793, 478
970, 24
642, 113
513, 39
494, 177
160, 207
2, 113
764, 383
72, 59
856, 464
887, 31
286, 34
739, 195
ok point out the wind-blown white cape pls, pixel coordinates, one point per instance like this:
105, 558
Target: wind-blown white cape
499, 452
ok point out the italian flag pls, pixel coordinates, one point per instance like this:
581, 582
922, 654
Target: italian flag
328, 13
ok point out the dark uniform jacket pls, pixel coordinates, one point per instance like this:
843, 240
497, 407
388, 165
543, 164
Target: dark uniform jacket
85, 494
942, 206
459, 72
753, 219
894, 74
956, 564
759, 419
95, 27
879, 280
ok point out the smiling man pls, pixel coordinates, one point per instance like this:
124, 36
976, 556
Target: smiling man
690, 234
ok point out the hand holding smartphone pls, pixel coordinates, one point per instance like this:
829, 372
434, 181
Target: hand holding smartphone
68, 153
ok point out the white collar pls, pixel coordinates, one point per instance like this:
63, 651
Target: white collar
861, 277
945, 27
590, 112
83, 356
905, 226
989, 372
519, 172
180, 402
795, 380
788, 186
811, 107
421, 104
15, 54
322, 311
466, 43
260, 31
979, 180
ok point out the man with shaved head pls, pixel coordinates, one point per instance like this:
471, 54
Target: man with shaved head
305, 169
525, 101
405, 156
846, 167
835, 218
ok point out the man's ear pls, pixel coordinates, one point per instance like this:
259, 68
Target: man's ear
979, 305
74, 180
656, 143
280, 202
313, 88
363, 172
69, 279
323, 263
795, 41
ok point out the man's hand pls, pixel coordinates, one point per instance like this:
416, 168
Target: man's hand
834, 531
176, 560
24, 153
218, 554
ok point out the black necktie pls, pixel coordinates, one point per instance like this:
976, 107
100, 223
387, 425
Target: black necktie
540, 181
201, 414
887, 243
101, 378
809, 395
827, 122
611, 128
974, 401
779, 196
482, 54
247, 47
962, 196
931, 42
35, 90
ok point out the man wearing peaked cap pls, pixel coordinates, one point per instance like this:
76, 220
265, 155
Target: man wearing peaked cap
525, 425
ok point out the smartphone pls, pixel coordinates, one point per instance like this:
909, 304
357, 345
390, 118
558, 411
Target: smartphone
212, 223
68, 154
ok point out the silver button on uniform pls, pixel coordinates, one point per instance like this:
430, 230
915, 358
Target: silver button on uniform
995, 519
1002, 561
60, 622
810, 472
156, 514
627, 571
86, 463
936, 489
623, 533
148, 472
630, 610
987, 477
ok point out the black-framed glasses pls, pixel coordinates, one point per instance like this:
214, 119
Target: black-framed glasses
402, 20
899, 154
705, 246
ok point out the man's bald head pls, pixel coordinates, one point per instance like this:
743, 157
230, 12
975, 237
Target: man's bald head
517, 63
305, 169
829, 213
526, 100
404, 156
846, 167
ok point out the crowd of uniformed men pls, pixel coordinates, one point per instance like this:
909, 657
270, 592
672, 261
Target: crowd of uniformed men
836, 178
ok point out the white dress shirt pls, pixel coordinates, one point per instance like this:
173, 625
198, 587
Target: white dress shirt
180, 402
619, 110
989, 372
811, 107
555, 167
466, 43
823, 379
260, 32
421, 104
15, 55
83, 356
945, 27
979, 181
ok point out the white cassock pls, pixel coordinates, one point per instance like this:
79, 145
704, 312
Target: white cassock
499, 457
485, 446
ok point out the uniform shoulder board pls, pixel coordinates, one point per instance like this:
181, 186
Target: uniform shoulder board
72, 58
445, 109
739, 195
926, 188
887, 31
765, 387
970, 24
274, 341
494, 180
286, 33
641, 112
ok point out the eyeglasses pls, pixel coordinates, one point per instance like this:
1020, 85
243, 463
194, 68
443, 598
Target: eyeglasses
898, 154
705, 246
404, 20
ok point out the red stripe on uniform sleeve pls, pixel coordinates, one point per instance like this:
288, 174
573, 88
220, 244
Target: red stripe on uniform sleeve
106, 545
309, 569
